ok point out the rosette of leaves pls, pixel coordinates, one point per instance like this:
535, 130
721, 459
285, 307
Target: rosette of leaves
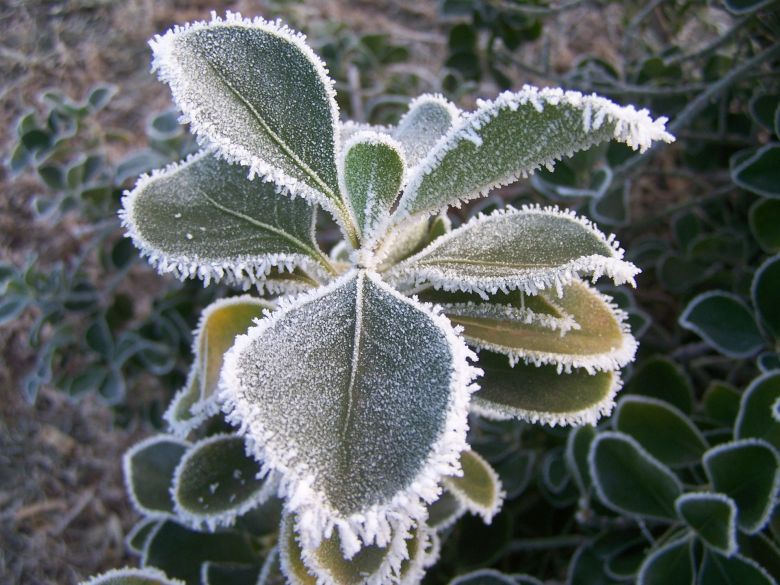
351, 388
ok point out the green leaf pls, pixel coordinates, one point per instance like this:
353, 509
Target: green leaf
763, 108
721, 403
670, 564
256, 91
374, 169
735, 570
725, 323
747, 471
428, 119
203, 218
577, 448
229, 574
587, 568
631, 481
216, 481
529, 249
745, 6
756, 416
179, 415
764, 219
765, 292
181, 552
11, 306
542, 394
140, 534
403, 240
661, 378
148, 469
517, 471
679, 445
598, 340
484, 577
219, 325
760, 172
445, 511
127, 576
346, 363
479, 488
713, 517
515, 135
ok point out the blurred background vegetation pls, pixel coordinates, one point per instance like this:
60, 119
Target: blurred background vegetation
94, 343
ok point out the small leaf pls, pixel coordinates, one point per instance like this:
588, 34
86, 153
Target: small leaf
587, 568
11, 306
725, 322
748, 471
374, 169
721, 403
514, 135
277, 116
529, 249
483, 577
517, 471
203, 218
127, 576
220, 323
229, 574
445, 511
479, 488
679, 445
179, 415
542, 394
216, 481
735, 570
140, 534
764, 219
713, 517
661, 378
760, 172
100, 95
428, 119
756, 416
597, 340
745, 6
372, 444
670, 564
577, 449
402, 241
181, 552
631, 481
765, 292
148, 469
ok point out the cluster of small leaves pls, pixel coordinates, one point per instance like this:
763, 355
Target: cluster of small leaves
351, 389
85, 331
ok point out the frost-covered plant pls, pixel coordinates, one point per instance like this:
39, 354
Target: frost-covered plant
351, 389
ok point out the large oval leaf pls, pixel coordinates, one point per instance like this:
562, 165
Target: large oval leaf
148, 469
515, 135
358, 397
542, 394
529, 249
260, 94
203, 218
599, 340
630, 480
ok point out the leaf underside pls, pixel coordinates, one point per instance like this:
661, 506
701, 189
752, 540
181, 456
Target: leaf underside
204, 218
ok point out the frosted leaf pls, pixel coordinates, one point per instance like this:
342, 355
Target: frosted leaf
445, 511
528, 249
129, 576
238, 229
479, 488
407, 238
601, 341
148, 469
255, 90
348, 128
542, 394
216, 481
179, 415
428, 119
373, 172
357, 396
373, 565
515, 135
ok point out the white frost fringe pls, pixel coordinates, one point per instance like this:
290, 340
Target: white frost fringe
587, 416
316, 517
487, 513
165, 63
241, 271
197, 519
408, 275
633, 127
144, 573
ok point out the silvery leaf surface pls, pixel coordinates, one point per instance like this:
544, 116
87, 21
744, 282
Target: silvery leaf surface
542, 394
428, 119
357, 396
597, 340
373, 172
527, 249
255, 90
202, 218
516, 134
